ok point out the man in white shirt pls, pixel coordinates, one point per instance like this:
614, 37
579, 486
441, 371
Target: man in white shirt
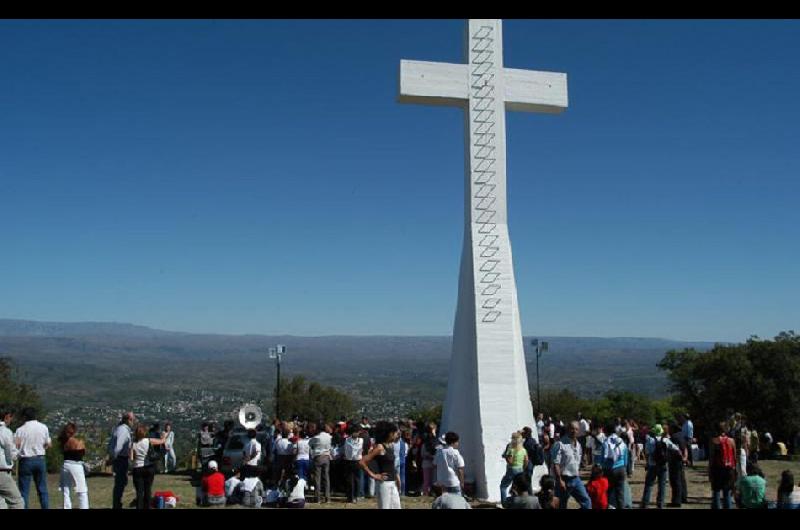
251, 455
119, 452
583, 432
320, 445
284, 452
449, 465
9, 492
33, 440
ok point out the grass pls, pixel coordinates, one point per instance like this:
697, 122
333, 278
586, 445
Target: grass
100, 490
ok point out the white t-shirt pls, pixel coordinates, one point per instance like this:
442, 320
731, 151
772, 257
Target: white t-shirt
32, 438
230, 485
140, 449
353, 448
540, 428
584, 427
298, 492
252, 452
303, 449
597, 447
447, 461
284, 447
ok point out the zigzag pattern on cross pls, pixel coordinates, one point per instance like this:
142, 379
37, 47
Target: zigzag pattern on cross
483, 175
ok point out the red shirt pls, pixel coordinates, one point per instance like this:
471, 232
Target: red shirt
598, 492
214, 484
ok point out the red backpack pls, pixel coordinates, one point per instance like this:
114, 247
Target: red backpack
725, 455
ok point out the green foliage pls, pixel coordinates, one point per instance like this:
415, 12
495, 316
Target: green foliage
18, 395
54, 458
425, 415
313, 401
565, 405
760, 379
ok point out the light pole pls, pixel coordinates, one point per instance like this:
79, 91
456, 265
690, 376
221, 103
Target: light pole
540, 349
276, 353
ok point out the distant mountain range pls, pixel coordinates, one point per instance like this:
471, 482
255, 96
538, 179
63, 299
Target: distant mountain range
100, 361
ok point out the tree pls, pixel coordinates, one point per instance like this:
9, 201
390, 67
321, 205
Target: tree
759, 378
312, 401
18, 395
425, 415
565, 405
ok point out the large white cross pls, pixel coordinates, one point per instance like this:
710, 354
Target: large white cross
487, 392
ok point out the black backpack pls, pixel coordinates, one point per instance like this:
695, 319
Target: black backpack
535, 452
153, 453
660, 453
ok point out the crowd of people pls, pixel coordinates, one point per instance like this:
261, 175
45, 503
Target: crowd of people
283, 463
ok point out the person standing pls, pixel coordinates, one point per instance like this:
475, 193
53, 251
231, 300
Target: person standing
449, 466
73, 477
675, 467
430, 444
251, 455
303, 458
615, 455
320, 446
657, 448
535, 454
169, 447
387, 481
687, 430
516, 462
9, 492
540, 427
119, 449
400, 453
33, 440
583, 432
597, 439
285, 454
721, 467
567, 469
353, 447
144, 458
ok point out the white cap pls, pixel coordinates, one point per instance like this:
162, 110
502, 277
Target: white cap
212, 464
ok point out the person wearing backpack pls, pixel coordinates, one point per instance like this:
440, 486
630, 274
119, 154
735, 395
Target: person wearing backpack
721, 467
535, 454
615, 455
656, 447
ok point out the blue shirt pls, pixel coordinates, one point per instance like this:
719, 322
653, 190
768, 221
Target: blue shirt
688, 431
400, 452
119, 446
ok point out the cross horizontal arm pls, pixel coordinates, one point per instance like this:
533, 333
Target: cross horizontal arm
448, 84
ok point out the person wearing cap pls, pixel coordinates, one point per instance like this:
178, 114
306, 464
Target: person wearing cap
213, 486
656, 468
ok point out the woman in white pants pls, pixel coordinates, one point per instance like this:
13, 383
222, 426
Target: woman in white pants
169, 446
73, 477
387, 481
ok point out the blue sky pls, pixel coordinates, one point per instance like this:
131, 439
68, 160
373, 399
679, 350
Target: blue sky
260, 177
